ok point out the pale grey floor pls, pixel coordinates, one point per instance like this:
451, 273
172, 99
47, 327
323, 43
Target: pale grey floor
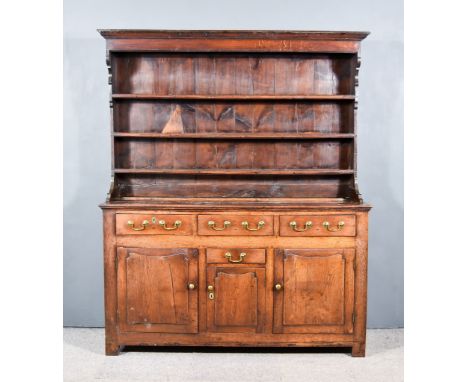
84, 360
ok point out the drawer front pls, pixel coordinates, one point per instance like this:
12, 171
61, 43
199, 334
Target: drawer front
318, 225
235, 256
235, 225
146, 224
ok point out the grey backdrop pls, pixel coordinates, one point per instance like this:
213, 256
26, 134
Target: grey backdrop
87, 143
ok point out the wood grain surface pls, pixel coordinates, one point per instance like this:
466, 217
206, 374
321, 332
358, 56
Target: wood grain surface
254, 128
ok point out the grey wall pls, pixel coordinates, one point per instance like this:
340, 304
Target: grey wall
86, 126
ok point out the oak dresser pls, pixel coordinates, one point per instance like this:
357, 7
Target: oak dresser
233, 216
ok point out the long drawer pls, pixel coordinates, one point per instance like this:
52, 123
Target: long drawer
146, 224
318, 225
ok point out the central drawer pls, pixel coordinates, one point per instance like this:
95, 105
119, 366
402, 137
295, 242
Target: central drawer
235, 255
235, 225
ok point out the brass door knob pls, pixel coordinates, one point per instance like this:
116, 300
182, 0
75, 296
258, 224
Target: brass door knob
278, 286
191, 286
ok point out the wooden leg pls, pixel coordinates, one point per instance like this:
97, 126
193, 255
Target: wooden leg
112, 348
359, 349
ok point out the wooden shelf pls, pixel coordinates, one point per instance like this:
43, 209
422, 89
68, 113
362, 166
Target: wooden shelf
199, 97
235, 171
237, 135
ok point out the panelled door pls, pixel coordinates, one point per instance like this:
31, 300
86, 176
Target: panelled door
314, 291
157, 289
235, 298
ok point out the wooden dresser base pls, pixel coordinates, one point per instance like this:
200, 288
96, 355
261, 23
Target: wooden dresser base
325, 253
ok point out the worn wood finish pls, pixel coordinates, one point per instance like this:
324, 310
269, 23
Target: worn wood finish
182, 74
238, 303
153, 293
317, 291
211, 154
209, 117
254, 128
189, 186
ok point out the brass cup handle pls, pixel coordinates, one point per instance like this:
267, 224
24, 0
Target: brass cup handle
228, 256
339, 226
131, 224
177, 224
212, 225
307, 225
278, 286
260, 225
191, 286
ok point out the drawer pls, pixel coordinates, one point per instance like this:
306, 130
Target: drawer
318, 225
235, 225
146, 224
235, 255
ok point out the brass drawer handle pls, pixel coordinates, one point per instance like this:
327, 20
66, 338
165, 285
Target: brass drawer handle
191, 286
228, 256
278, 287
260, 225
131, 224
307, 225
212, 225
177, 224
339, 226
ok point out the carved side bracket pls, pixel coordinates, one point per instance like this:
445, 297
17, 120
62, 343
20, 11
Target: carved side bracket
111, 189
356, 84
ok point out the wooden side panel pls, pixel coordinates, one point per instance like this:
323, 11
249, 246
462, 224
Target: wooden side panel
359, 348
318, 291
239, 299
152, 290
110, 283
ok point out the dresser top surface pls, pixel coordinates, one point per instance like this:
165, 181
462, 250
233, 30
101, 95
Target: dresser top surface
232, 34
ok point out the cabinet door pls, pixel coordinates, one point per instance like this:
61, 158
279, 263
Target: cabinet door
317, 293
153, 290
237, 302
